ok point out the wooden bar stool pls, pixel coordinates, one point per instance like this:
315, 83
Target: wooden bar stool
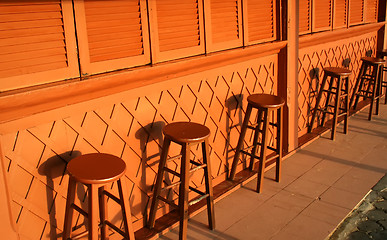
368, 83
382, 54
342, 78
185, 134
266, 105
96, 170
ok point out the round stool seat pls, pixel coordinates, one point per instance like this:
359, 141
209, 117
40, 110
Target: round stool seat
261, 100
373, 60
96, 168
336, 71
186, 132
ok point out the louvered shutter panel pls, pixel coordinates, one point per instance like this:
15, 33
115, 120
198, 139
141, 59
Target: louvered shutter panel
223, 21
340, 13
304, 17
322, 15
176, 29
112, 34
260, 21
37, 43
356, 11
371, 11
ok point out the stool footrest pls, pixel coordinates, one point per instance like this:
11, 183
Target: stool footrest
195, 163
116, 199
251, 155
80, 235
174, 157
114, 227
80, 210
252, 126
271, 148
197, 191
324, 111
172, 204
329, 91
272, 157
363, 95
171, 186
172, 171
198, 199
367, 76
255, 125
197, 168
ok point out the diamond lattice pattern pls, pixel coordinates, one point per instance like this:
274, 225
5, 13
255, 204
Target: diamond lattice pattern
132, 130
310, 72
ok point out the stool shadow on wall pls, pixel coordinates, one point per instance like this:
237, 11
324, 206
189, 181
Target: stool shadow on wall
234, 121
55, 167
314, 87
151, 140
346, 62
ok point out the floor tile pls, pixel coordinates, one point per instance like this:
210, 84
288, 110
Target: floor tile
307, 188
305, 228
341, 198
327, 171
325, 212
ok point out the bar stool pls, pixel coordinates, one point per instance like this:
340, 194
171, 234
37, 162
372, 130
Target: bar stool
96, 170
342, 78
266, 105
185, 134
368, 85
382, 54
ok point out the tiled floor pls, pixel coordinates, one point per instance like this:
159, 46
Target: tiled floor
321, 184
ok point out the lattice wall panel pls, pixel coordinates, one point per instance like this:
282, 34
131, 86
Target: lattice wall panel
132, 130
310, 72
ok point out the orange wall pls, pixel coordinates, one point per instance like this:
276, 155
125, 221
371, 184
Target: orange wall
126, 124
123, 114
327, 54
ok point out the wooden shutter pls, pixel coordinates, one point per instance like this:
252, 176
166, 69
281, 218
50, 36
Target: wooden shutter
259, 20
356, 11
322, 15
223, 19
112, 34
37, 43
304, 16
176, 29
340, 13
371, 11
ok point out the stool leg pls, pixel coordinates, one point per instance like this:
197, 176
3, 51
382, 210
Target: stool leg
93, 212
378, 86
384, 84
240, 142
208, 179
314, 114
262, 158
327, 100
125, 208
357, 86
374, 91
183, 192
255, 140
103, 212
69, 209
279, 143
346, 107
336, 110
159, 180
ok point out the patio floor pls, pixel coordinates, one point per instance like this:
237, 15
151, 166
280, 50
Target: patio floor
321, 183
